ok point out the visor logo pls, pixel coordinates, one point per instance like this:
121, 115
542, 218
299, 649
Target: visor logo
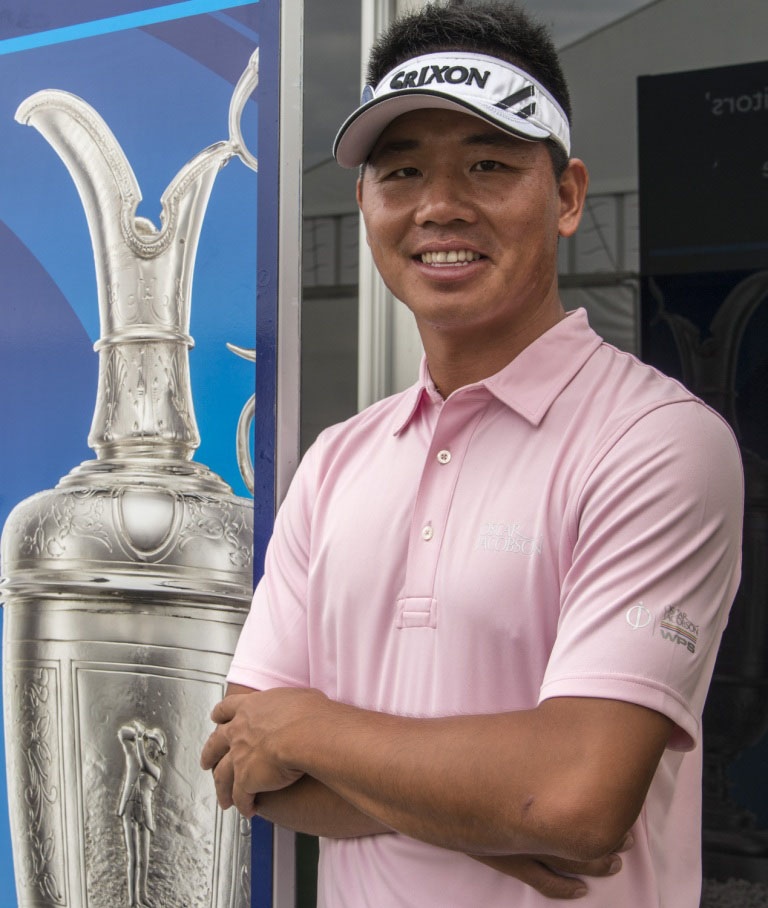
522, 95
427, 75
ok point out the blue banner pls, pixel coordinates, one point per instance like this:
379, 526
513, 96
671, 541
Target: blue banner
161, 75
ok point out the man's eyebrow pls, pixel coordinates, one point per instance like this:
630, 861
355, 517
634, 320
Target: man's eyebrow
394, 147
493, 137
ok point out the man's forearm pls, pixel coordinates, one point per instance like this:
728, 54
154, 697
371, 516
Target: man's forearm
566, 779
527, 782
311, 807
359, 761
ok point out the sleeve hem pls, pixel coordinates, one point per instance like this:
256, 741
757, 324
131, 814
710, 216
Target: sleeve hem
641, 691
259, 680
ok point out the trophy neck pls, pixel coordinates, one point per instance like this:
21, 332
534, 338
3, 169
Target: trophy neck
144, 273
144, 278
144, 400
144, 405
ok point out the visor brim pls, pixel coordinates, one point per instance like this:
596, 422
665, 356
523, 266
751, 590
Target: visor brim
359, 132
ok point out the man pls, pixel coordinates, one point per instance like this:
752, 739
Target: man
492, 603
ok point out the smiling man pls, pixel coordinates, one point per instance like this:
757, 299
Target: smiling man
478, 657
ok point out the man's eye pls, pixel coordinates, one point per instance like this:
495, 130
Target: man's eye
488, 166
405, 172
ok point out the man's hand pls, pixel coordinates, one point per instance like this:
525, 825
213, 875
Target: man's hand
553, 877
243, 751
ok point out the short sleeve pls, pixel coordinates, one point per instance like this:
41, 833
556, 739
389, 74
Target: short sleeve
655, 567
272, 650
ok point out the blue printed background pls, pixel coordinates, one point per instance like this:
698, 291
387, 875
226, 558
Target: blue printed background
164, 90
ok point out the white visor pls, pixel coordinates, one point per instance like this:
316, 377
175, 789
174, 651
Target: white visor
476, 84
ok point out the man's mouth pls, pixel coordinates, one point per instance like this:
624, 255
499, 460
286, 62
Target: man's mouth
452, 257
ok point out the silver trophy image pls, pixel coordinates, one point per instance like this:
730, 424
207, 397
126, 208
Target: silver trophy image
125, 587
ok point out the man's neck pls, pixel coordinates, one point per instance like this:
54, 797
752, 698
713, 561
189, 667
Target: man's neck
462, 357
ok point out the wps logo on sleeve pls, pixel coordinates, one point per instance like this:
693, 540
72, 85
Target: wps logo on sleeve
677, 627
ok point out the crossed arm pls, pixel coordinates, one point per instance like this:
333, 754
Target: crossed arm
567, 779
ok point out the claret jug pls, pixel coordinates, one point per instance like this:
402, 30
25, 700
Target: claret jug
125, 586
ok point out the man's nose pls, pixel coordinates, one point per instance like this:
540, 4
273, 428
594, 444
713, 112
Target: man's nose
444, 198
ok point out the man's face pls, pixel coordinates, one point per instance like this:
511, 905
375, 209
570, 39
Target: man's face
445, 185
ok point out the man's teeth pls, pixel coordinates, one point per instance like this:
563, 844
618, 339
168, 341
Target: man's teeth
449, 258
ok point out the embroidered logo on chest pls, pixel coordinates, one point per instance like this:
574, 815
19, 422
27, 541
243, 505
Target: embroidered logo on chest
508, 537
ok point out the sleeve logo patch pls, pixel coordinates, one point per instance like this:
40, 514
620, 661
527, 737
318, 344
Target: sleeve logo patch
677, 627
638, 617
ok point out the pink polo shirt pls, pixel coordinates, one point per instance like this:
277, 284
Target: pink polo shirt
567, 527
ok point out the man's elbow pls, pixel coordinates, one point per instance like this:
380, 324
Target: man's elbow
594, 837
579, 828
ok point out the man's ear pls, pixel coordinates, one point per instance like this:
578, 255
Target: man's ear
359, 197
572, 191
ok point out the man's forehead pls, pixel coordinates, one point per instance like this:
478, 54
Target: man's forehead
417, 128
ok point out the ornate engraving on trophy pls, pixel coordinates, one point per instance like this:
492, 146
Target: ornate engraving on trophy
78, 514
128, 309
144, 749
154, 829
216, 520
244, 861
142, 390
115, 375
176, 381
179, 299
34, 782
146, 306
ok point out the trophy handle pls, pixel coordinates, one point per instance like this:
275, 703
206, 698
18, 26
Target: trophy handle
243, 90
244, 459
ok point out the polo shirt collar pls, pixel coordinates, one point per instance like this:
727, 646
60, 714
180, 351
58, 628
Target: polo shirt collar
530, 384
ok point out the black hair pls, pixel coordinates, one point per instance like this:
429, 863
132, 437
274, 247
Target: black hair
490, 27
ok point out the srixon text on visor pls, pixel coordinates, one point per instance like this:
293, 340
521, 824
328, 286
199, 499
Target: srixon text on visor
428, 75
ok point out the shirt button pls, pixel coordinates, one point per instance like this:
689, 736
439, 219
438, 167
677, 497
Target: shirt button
427, 533
444, 456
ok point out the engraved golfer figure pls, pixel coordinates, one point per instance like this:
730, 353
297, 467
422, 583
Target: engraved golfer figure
143, 748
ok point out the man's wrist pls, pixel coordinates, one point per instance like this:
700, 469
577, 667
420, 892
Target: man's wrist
305, 729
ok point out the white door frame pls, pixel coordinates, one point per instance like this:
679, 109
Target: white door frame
288, 334
388, 346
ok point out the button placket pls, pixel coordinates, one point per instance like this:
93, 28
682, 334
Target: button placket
453, 431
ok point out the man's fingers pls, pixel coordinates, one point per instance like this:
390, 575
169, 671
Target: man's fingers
629, 841
215, 747
536, 875
244, 801
223, 779
604, 866
226, 708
